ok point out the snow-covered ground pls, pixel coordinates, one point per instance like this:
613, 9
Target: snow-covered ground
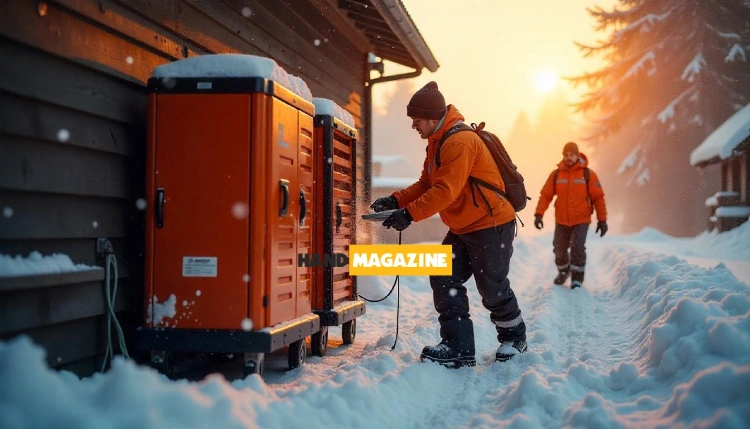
658, 337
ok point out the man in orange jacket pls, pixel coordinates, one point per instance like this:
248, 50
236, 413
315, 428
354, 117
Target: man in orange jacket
578, 192
481, 229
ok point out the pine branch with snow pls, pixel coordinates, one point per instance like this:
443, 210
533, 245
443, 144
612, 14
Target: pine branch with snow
668, 63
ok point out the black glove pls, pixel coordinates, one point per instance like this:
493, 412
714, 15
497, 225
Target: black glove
399, 220
602, 226
538, 222
385, 203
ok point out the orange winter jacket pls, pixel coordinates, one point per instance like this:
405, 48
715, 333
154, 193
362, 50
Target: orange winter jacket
447, 191
575, 201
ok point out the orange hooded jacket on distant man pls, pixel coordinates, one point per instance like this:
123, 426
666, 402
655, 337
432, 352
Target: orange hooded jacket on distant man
447, 190
575, 198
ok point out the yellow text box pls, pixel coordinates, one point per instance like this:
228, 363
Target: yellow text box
400, 260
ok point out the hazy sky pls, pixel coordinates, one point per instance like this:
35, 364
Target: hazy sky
491, 53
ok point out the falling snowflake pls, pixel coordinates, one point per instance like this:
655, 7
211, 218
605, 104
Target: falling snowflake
184, 303
63, 135
95, 224
8, 212
247, 324
129, 60
453, 292
141, 204
246, 12
197, 293
240, 210
246, 278
317, 42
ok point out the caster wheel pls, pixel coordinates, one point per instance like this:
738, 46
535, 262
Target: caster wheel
254, 364
319, 342
349, 331
297, 353
163, 361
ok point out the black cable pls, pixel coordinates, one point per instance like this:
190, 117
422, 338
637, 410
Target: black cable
398, 297
382, 299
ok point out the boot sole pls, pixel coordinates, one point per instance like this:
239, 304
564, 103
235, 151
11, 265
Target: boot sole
505, 358
453, 363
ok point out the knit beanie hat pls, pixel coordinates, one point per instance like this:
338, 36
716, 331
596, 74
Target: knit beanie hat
427, 103
570, 147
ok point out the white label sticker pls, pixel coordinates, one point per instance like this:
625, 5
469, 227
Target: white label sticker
200, 266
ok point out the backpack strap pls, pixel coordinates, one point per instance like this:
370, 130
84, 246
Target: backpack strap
452, 130
473, 181
491, 187
586, 175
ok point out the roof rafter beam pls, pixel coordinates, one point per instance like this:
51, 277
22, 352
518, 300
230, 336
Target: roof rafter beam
396, 16
343, 24
375, 24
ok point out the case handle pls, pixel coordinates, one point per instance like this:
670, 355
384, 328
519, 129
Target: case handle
339, 216
159, 212
285, 194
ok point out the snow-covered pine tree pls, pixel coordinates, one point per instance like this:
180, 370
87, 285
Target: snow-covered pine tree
517, 143
676, 69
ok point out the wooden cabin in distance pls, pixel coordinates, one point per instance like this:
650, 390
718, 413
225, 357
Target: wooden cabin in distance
729, 146
73, 131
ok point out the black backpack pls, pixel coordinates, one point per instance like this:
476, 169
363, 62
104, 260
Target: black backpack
515, 189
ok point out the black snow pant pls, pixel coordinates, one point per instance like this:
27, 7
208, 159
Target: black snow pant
573, 238
485, 254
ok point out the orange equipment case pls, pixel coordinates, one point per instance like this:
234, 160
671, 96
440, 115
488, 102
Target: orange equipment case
231, 185
335, 230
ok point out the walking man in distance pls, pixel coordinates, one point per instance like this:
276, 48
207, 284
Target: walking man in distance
578, 192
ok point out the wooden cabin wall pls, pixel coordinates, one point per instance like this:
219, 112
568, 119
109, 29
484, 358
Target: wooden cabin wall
77, 69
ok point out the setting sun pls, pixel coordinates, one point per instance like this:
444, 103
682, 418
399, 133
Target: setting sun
545, 81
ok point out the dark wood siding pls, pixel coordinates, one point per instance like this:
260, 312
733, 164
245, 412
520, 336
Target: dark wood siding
81, 66
745, 177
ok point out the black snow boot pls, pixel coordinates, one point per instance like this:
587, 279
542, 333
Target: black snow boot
446, 356
509, 349
577, 279
562, 275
